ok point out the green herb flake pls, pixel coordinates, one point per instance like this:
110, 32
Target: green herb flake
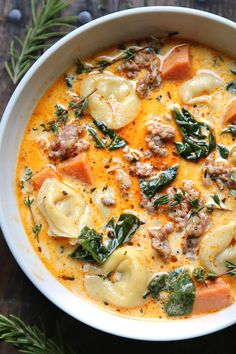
233, 192
231, 268
231, 129
231, 87
216, 199
233, 71
199, 274
224, 151
81, 68
69, 80
233, 176
164, 199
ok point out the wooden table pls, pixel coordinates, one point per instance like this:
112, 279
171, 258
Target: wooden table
17, 294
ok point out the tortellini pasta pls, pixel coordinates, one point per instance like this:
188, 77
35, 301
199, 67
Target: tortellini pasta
115, 101
129, 279
194, 90
64, 209
216, 248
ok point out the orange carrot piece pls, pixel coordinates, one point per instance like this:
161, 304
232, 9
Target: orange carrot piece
230, 114
38, 179
77, 168
176, 64
213, 297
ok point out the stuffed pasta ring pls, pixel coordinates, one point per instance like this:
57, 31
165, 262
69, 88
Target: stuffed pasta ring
217, 248
128, 283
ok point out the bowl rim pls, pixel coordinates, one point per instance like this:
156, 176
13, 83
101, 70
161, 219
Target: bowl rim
17, 92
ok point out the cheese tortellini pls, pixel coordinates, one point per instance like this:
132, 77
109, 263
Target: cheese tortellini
216, 248
128, 283
64, 209
115, 101
194, 90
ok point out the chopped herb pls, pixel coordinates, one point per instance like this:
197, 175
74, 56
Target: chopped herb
231, 268
28, 174
199, 274
98, 143
233, 192
82, 68
159, 98
51, 126
116, 142
92, 249
36, 230
103, 63
155, 184
169, 95
199, 140
231, 87
211, 276
21, 184
28, 201
196, 207
129, 53
69, 80
61, 113
216, 199
164, 199
233, 71
233, 176
224, 151
178, 197
181, 288
231, 129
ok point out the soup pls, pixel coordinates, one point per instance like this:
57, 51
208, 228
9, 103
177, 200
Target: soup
126, 179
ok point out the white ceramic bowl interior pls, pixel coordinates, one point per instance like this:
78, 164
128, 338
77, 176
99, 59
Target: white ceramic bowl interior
104, 32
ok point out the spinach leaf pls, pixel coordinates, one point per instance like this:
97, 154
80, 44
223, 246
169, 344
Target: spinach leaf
181, 291
198, 137
116, 141
92, 249
224, 151
150, 186
231, 129
98, 142
231, 87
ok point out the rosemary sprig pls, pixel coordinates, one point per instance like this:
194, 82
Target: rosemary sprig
24, 52
200, 274
78, 106
30, 339
36, 228
126, 55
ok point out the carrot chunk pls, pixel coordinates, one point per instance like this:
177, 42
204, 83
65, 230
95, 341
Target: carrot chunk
77, 168
213, 297
177, 63
38, 179
230, 114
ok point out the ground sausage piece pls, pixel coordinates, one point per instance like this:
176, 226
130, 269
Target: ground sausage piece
68, 143
150, 82
220, 172
123, 181
179, 213
141, 60
195, 228
160, 241
158, 135
141, 169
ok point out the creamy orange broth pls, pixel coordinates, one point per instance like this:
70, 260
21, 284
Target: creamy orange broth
54, 251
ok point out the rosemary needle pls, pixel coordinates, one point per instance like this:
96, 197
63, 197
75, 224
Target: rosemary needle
44, 27
30, 339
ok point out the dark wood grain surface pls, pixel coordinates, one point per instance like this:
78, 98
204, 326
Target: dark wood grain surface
17, 294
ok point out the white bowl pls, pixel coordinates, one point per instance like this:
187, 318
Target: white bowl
200, 26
